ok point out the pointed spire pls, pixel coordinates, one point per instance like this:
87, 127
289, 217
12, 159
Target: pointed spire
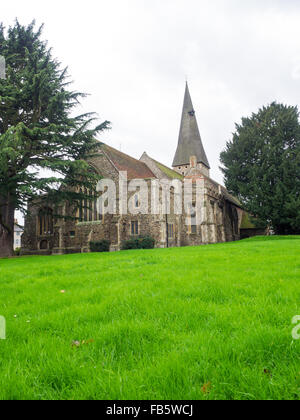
189, 143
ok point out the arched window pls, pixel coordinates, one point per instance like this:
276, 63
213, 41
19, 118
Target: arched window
46, 221
88, 210
85, 206
81, 208
91, 202
95, 208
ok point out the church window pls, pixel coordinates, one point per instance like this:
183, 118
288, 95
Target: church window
134, 228
81, 209
85, 206
45, 222
91, 207
194, 229
170, 231
88, 207
95, 209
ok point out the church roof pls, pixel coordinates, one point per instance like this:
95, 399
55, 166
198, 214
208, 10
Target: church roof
170, 173
135, 169
229, 197
189, 143
160, 170
193, 173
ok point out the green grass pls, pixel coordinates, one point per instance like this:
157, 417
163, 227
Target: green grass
164, 323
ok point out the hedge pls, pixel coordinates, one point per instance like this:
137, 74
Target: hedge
100, 246
142, 242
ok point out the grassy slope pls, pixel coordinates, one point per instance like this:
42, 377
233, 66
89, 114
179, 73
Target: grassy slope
165, 322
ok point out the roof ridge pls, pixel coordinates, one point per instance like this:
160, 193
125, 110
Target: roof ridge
167, 168
121, 153
135, 168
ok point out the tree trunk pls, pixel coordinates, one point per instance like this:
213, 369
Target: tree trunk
7, 212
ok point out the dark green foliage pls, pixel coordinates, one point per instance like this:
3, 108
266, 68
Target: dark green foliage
39, 130
142, 242
147, 242
132, 243
262, 166
100, 246
17, 252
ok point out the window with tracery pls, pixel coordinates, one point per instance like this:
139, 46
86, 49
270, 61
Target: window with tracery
88, 210
45, 221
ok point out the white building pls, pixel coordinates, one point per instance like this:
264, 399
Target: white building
18, 232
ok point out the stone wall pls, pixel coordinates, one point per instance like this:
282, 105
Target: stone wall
219, 221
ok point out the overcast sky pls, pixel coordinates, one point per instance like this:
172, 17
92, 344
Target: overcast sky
133, 57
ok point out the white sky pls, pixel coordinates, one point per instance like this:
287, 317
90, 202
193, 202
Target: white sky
133, 56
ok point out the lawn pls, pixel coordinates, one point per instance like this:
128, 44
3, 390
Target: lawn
211, 322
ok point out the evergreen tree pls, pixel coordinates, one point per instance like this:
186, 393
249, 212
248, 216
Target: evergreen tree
38, 130
262, 166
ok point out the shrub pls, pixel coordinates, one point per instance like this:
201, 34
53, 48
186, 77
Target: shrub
17, 252
148, 242
142, 242
132, 243
100, 246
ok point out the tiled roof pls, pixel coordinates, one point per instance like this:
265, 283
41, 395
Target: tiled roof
231, 198
135, 169
170, 173
195, 173
139, 170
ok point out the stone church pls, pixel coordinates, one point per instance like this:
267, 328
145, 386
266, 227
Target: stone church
219, 214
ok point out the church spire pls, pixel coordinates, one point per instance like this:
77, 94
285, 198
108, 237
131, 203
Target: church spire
189, 143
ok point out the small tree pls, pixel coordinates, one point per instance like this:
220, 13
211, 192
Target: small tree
262, 166
38, 130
